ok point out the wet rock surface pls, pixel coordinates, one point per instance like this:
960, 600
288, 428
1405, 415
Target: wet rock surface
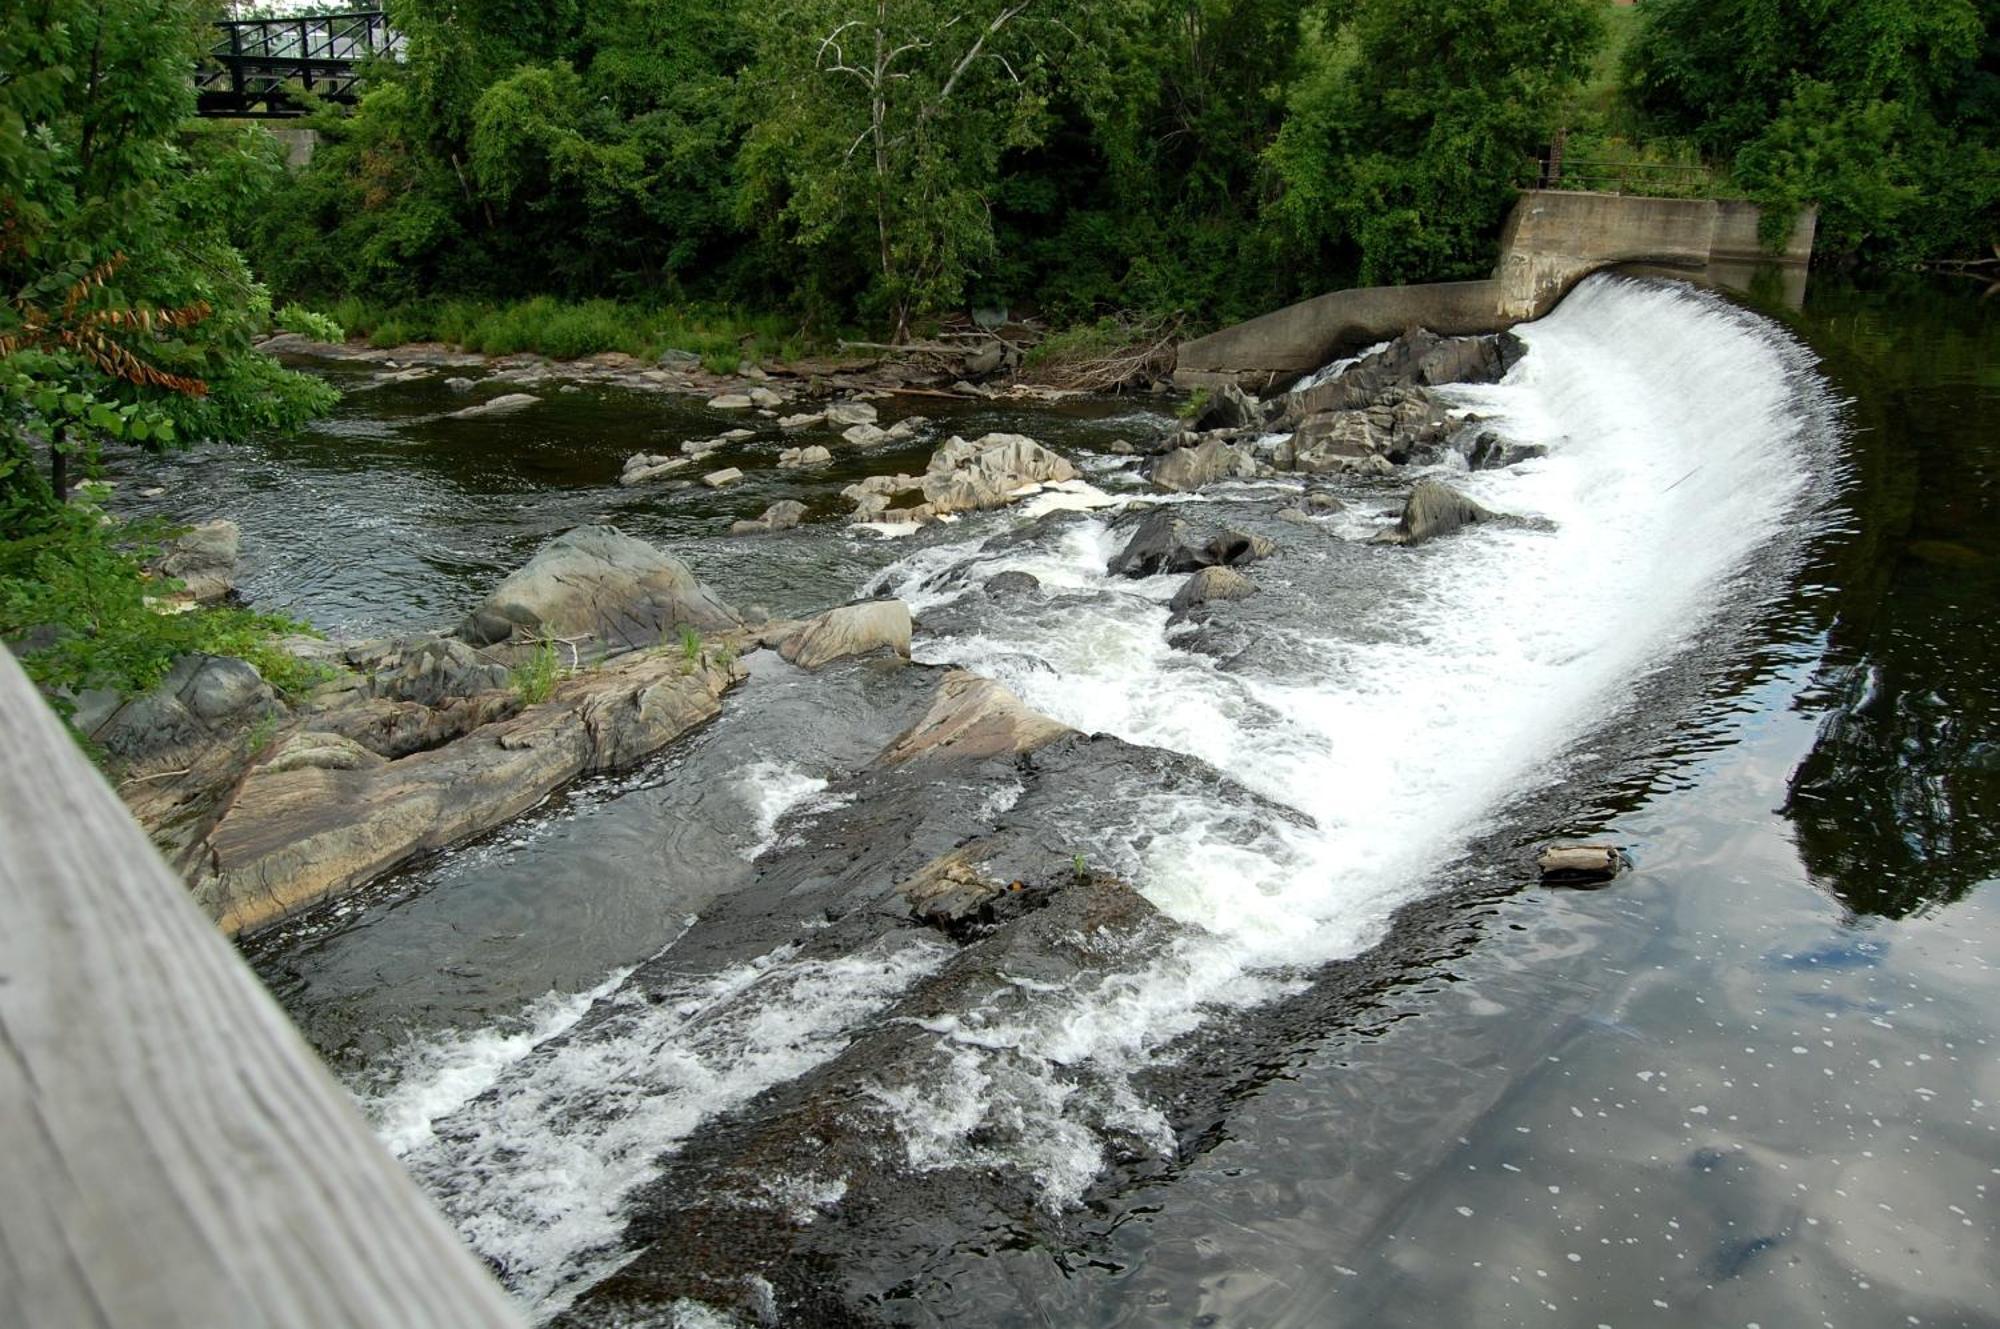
597, 583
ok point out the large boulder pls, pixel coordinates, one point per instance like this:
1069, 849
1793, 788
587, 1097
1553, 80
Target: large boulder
201, 698
203, 559
1186, 469
977, 718
1209, 585
852, 629
987, 471
1165, 542
597, 582
1228, 407
1434, 509
780, 516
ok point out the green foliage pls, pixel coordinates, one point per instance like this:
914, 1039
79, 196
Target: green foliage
297, 318
1886, 113
75, 599
690, 640
127, 313
562, 329
1419, 120
1196, 403
535, 677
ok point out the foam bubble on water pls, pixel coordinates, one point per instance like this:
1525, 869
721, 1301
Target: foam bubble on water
435, 1076
534, 1176
1678, 440
773, 789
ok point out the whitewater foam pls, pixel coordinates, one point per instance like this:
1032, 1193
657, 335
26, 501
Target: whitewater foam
1679, 430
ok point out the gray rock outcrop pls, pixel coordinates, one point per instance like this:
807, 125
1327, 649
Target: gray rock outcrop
1209, 585
1190, 468
598, 583
780, 516
203, 559
860, 628
506, 404
1434, 509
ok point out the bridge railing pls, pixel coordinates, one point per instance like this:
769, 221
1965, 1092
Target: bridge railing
257, 65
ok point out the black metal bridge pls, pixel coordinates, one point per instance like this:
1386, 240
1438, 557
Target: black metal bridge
269, 68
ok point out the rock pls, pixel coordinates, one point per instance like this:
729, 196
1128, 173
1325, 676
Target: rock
973, 717
700, 447
986, 360
1010, 585
201, 698
1577, 864
459, 384
865, 436
322, 751
1209, 585
672, 359
569, 387
1488, 451
780, 516
988, 472
1186, 469
641, 467
728, 475
203, 558
735, 435
731, 401
599, 583
1318, 500
765, 399
1296, 516
1433, 509
851, 629
507, 404
1163, 543
1235, 548
1470, 359
791, 424
1228, 407
794, 458
429, 670
843, 414
292, 836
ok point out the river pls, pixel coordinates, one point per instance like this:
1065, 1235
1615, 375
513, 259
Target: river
1752, 1082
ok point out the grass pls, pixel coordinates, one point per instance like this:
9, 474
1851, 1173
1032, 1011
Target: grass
690, 647
568, 330
535, 677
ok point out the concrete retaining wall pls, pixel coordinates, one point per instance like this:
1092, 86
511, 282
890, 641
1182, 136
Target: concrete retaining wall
1553, 239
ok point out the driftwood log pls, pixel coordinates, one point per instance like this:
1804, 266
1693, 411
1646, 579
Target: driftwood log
171, 1151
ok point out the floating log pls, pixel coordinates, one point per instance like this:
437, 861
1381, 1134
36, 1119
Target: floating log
172, 1153
1577, 864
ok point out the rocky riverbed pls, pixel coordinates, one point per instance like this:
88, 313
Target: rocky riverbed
947, 953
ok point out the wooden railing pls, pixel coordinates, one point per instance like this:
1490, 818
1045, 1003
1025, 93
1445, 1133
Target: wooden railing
172, 1154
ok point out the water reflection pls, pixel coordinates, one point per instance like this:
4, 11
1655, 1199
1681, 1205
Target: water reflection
1897, 808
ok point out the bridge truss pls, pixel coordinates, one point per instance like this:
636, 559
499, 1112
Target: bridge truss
259, 67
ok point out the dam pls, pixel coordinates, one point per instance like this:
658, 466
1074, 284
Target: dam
1553, 239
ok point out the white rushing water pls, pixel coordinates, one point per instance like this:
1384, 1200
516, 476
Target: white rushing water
1680, 433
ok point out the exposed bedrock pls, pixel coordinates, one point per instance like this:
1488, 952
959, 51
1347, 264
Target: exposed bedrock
958, 850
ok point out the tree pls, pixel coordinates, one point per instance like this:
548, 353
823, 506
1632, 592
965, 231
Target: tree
124, 311
889, 118
1419, 120
1885, 113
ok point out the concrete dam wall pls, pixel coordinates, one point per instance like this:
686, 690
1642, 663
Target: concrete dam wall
1552, 240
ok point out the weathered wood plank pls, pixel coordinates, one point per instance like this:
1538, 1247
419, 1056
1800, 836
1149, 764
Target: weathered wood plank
171, 1151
